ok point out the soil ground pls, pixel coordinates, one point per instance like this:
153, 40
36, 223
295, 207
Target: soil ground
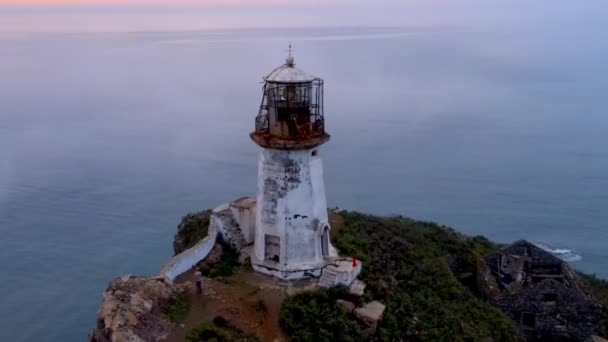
235, 298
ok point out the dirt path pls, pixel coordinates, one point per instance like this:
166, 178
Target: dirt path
235, 298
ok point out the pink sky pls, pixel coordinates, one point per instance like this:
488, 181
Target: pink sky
159, 15
154, 15
151, 2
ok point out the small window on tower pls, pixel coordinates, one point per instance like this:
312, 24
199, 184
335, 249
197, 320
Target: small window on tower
315, 153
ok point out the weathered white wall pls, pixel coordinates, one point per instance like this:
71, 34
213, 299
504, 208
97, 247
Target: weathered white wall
287, 275
217, 223
185, 260
291, 204
245, 217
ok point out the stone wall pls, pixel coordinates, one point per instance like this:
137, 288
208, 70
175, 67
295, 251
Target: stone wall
222, 225
185, 260
218, 224
539, 292
552, 308
243, 211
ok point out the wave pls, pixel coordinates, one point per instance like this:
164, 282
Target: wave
565, 254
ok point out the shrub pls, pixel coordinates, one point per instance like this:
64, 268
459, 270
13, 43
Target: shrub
221, 331
178, 308
313, 317
599, 289
227, 265
206, 332
409, 266
191, 230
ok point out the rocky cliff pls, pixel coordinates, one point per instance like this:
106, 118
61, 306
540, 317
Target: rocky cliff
133, 310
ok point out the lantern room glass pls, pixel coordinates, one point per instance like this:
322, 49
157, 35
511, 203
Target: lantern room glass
291, 111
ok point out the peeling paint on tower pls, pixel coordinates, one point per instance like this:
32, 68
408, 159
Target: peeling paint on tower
292, 208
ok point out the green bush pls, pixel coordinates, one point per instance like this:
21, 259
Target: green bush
599, 289
409, 266
227, 265
220, 331
206, 332
313, 317
178, 308
191, 230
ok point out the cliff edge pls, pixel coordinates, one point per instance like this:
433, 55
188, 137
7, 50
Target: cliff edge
134, 309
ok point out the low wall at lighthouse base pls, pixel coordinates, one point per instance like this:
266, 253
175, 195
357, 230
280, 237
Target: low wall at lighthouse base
310, 271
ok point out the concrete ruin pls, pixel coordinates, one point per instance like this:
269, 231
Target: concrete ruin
370, 314
540, 293
340, 271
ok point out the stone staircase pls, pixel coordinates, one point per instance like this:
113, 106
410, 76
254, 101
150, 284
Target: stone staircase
340, 271
328, 278
237, 239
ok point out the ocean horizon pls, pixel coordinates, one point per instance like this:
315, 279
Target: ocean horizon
107, 140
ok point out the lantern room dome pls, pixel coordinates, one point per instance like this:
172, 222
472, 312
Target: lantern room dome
289, 73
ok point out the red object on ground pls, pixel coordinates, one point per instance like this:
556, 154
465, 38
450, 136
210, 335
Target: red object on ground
354, 261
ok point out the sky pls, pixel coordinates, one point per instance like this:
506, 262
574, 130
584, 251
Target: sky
161, 15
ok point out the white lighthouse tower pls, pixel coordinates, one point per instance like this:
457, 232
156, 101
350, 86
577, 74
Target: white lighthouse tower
291, 227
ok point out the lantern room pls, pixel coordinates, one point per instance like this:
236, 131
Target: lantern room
291, 112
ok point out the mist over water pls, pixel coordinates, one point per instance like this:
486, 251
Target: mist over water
106, 140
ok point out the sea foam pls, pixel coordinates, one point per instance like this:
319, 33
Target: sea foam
565, 254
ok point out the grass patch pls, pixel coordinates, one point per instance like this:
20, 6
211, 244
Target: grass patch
178, 309
599, 289
206, 332
227, 265
245, 288
313, 316
191, 230
221, 330
422, 272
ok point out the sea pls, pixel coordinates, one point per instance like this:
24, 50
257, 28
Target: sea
108, 139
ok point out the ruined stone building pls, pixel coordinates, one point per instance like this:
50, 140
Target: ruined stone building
540, 293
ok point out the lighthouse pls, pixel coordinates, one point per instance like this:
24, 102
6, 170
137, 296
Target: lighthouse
291, 238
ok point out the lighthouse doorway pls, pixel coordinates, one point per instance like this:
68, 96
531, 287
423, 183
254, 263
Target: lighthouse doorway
325, 241
273, 248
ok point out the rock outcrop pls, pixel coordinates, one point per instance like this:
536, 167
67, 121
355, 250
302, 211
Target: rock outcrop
133, 309
191, 230
370, 314
345, 305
